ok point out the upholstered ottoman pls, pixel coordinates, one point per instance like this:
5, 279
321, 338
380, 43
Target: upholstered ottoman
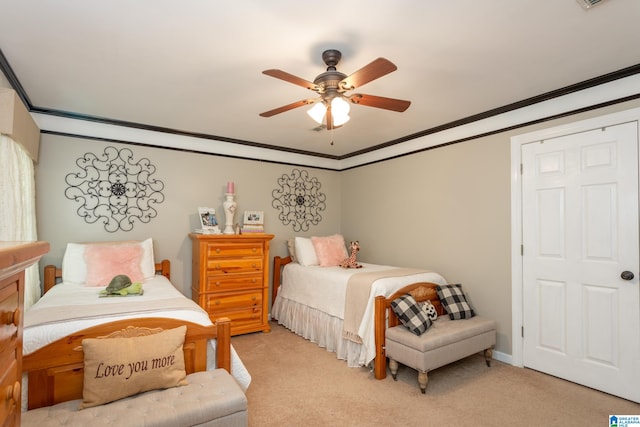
445, 342
212, 398
434, 343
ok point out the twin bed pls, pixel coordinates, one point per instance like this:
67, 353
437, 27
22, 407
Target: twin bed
334, 306
72, 310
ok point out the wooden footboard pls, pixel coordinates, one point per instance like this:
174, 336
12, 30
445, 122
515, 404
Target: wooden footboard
278, 263
56, 370
385, 318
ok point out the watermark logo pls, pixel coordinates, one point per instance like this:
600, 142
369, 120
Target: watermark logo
624, 420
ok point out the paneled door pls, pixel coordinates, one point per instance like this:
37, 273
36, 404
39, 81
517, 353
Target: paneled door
581, 302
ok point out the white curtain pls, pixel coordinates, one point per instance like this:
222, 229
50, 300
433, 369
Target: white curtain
18, 206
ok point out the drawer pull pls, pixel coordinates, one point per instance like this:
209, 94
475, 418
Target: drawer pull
13, 318
254, 281
217, 250
217, 302
254, 265
217, 283
253, 298
255, 249
13, 392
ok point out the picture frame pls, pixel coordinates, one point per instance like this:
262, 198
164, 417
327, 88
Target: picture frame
253, 218
208, 219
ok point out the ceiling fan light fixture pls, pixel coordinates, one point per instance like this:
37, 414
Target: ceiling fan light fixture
332, 108
340, 107
317, 112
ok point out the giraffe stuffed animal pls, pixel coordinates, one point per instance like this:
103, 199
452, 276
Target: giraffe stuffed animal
351, 262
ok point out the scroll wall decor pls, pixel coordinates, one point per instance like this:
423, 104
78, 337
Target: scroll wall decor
114, 188
299, 200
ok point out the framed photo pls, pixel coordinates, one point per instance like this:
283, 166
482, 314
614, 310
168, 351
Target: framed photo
208, 220
254, 217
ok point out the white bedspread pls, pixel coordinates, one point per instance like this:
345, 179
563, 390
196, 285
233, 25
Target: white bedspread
324, 289
70, 297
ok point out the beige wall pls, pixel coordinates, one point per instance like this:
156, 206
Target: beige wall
190, 179
446, 209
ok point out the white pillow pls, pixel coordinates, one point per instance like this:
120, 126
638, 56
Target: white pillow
305, 252
74, 267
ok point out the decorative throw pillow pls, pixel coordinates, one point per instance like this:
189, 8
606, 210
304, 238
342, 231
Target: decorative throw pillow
430, 309
106, 261
410, 314
454, 301
330, 250
305, 253
74, 266
115, 368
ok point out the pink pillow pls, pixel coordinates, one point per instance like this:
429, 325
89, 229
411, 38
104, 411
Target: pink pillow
106, 261
330, 250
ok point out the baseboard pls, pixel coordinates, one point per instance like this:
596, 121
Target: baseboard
502, 357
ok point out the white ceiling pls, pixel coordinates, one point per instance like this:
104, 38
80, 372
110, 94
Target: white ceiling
195, 66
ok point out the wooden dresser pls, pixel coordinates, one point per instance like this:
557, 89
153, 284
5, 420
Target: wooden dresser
230, 278
14, 258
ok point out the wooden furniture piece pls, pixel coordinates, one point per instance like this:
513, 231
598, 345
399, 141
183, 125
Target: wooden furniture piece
446, 341
230, 278
14, 258
56, 370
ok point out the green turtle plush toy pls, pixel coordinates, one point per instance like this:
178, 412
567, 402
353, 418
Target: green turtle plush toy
121, 285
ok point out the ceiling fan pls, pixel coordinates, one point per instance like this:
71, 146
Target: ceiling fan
332, 106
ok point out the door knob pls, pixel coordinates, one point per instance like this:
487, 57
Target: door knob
627, 275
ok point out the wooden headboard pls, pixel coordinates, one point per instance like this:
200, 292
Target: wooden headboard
53, 273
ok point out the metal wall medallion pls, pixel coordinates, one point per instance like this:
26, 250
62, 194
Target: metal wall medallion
114, 188
299, 200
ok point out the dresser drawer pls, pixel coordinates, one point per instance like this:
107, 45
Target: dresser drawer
215, 303
9, 317
231, 266
235, 282
10, 386
242, 319
235, 250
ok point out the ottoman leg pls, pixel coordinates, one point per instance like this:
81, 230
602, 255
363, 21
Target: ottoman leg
393, 367
422, 381
488, 354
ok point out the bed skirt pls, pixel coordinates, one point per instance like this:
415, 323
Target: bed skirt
320, 328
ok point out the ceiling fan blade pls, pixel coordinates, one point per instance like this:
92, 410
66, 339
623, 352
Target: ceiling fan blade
287, 107
374, 70
283, 75
380, 102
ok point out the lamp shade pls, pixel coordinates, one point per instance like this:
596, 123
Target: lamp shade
340, 111
317, 112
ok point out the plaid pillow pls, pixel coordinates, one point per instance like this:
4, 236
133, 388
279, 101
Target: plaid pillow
410, 314
454, 302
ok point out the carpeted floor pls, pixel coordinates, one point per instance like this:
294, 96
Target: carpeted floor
295, 382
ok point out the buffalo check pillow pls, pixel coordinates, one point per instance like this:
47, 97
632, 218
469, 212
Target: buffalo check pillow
411, 314
454, 302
